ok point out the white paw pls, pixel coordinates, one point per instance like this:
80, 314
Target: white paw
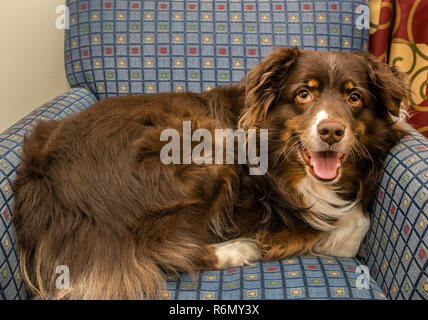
236, 252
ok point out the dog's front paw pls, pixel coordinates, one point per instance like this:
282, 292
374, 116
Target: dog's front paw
236, 252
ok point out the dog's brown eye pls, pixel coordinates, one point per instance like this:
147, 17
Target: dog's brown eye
304, 96
354, 99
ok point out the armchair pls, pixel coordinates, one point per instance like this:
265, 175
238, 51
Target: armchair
133, 47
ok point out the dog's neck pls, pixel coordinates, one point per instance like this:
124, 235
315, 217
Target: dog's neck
344, 221
325, 203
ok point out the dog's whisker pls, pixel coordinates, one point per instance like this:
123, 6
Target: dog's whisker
363, 153
281, 150
292, 149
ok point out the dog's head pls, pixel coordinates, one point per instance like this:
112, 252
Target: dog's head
329, 113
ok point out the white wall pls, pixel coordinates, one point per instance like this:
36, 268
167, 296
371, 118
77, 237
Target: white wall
31, 57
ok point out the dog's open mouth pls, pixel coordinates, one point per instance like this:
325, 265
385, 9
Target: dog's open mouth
323, 165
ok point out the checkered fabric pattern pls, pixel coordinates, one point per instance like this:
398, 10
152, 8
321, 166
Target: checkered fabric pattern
396, 247
116, 47
122, 47
304, 277
73, 101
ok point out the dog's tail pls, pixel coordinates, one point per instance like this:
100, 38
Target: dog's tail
115, 271
69, 256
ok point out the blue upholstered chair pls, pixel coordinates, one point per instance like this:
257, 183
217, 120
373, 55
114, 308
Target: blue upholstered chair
133, 47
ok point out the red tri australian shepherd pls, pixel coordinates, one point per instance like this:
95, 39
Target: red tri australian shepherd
92, 193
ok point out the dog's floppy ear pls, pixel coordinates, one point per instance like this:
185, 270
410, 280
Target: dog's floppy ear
389, 83
263, 83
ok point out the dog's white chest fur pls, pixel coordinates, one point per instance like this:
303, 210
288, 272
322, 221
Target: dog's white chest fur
344, 238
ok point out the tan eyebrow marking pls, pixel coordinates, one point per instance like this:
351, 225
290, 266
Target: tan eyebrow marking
313, 83
349, 85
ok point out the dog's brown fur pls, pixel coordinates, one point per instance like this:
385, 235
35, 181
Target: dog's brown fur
92, 194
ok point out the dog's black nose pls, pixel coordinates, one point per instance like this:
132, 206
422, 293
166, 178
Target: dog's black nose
331, 132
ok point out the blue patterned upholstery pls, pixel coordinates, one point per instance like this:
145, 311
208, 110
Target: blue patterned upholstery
396, 247
304, 277
121, 47
118, 47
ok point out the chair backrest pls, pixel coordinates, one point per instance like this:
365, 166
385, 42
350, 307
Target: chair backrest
119, 47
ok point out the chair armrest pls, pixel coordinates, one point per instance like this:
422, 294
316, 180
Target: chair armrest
73, 101
396, 245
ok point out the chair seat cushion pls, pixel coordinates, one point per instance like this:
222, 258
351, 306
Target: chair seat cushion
303, 277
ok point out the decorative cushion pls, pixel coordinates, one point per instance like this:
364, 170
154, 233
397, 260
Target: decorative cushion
75, 100
396, 248
122, 47
303, 277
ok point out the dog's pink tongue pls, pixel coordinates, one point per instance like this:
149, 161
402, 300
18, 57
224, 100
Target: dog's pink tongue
325, 164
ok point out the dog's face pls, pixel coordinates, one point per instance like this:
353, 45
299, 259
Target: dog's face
328, 113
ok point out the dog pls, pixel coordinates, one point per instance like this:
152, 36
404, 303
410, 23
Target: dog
92, 194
